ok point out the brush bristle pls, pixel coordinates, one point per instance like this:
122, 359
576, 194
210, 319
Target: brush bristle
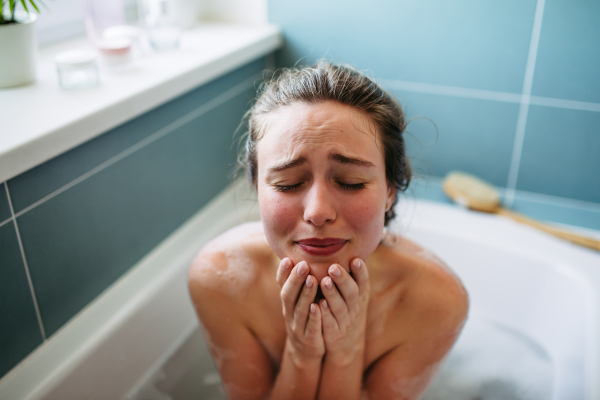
471, 191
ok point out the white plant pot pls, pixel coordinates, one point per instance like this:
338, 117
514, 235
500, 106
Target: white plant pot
18, 48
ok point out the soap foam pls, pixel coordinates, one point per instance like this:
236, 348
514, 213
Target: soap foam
493, 362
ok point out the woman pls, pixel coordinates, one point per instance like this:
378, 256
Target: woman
318, 301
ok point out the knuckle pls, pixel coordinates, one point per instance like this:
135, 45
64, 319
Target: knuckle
353, 294
367, 289
288, 299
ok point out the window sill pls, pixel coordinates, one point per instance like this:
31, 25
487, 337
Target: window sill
45, 120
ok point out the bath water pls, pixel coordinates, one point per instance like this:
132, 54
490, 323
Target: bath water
493, 362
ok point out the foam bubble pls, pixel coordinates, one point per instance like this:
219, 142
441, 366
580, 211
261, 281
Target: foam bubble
493, 362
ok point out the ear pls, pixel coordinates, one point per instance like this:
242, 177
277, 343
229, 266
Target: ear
391, 197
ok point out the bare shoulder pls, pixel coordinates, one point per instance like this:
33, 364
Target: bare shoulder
433, 290
229, 264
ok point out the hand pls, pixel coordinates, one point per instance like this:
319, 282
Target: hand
344, 311
302, 317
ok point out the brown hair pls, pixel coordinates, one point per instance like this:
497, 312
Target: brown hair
328, 82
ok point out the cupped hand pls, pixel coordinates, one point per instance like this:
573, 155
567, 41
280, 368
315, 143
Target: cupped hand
344, 310
302, 317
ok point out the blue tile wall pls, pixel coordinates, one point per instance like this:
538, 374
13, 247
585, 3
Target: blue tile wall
19, 329
470, 135
475, 44
568, 59
4, 207
80, 235
561, 153
463, 64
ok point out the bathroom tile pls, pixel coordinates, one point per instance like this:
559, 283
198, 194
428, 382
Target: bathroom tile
466, 43
570, 214
474, 136
560, 154
4, 207
19, 329
40, 181
81, 241
568, 57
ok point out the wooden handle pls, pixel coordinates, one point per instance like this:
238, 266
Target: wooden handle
571, 237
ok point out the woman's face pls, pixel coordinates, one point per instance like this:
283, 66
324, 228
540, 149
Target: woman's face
322, 188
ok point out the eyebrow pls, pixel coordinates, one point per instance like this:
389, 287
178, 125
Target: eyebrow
333, 156
350, 160
287, 165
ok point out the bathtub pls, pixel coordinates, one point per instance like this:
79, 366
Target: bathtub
533, 329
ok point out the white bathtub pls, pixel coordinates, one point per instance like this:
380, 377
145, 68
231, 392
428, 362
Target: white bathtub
535, 307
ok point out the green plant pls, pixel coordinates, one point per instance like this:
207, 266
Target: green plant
12, 7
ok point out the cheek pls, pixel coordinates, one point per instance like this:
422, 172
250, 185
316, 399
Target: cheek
279, 217
366, 217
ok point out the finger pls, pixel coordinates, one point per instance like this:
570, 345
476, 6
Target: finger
335, 302
291, 289
328, 321
345, 284
301, 311
360, 275
283, 272
313, 326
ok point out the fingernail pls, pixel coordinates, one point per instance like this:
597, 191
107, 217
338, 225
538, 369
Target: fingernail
309, 282
334, 270
327, 282
313, 308
324, 304
356, 264
302, 268
286, 264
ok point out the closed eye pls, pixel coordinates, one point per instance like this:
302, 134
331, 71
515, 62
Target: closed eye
287, 188
355, 186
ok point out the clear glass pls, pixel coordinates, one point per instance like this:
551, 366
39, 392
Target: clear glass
162, 29
77, 77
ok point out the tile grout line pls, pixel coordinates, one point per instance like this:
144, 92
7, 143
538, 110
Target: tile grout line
24, 258
215, 102
6, 221
515, 162
481, 94
445, 90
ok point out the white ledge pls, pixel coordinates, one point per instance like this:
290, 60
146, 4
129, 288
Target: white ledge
42, 120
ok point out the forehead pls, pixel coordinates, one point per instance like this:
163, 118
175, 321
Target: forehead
329, 124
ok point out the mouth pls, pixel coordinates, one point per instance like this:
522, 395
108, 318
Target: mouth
321, 247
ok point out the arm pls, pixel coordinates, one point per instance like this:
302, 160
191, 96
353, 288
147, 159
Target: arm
244, 366
304, 347
344, 313
436, 320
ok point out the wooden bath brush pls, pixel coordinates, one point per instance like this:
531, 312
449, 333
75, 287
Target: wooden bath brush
478, 195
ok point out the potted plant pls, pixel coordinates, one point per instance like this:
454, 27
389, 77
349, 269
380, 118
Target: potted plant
18, 44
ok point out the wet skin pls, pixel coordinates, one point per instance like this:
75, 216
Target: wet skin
382, 327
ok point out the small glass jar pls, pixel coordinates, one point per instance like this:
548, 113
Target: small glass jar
116, 54
77, 69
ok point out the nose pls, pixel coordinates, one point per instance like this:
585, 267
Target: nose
319, 204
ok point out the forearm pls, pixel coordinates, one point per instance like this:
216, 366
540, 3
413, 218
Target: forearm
298, 378
341, 377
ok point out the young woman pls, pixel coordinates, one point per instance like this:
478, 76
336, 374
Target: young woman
318, 300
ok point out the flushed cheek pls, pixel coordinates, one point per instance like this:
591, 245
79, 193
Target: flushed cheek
279, 219
366, 217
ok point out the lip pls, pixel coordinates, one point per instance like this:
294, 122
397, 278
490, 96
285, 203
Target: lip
321, 247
